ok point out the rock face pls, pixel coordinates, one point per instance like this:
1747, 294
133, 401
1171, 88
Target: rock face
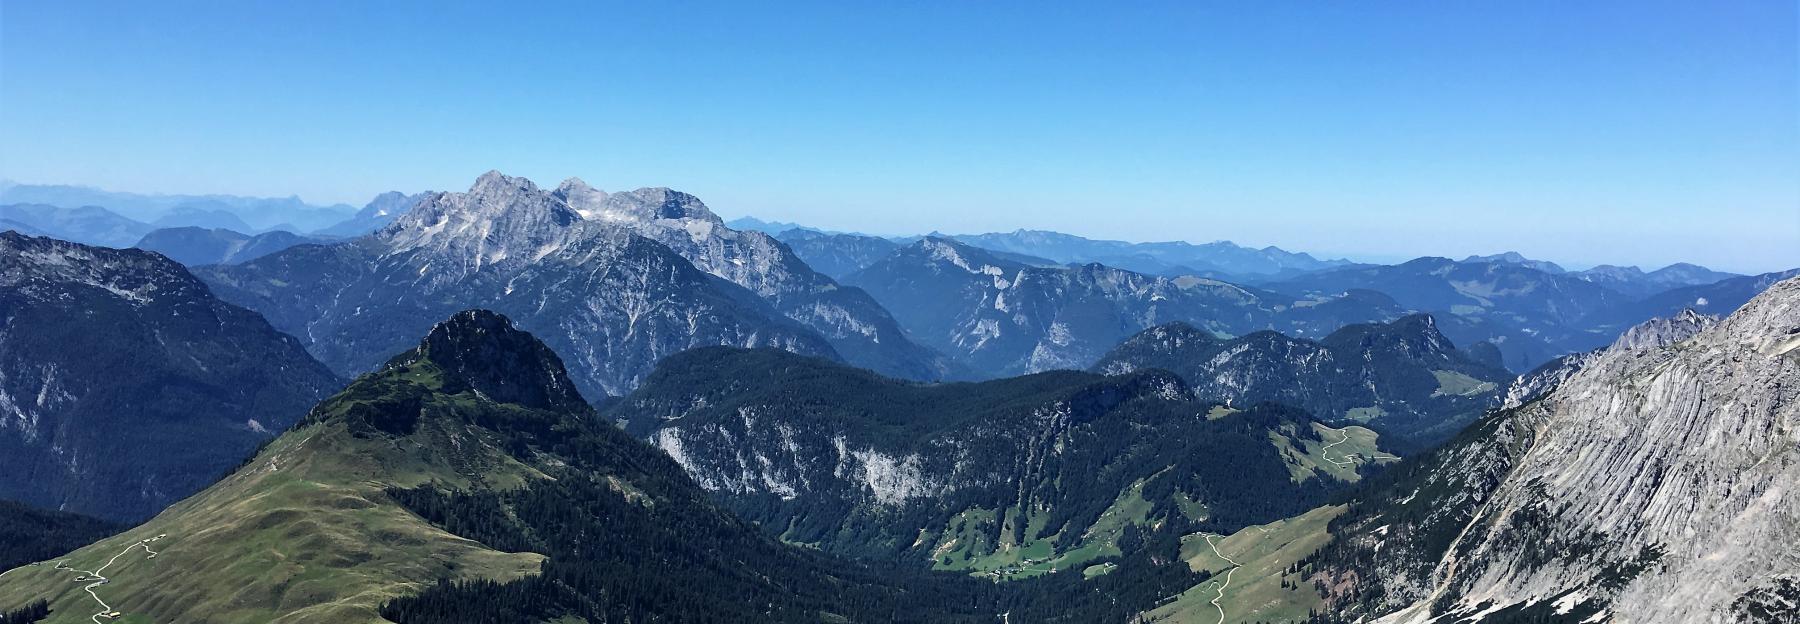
1403, 377
1654, 484
973, 476
1002, 317
601, 287
858, 328
125, 385
1649, 334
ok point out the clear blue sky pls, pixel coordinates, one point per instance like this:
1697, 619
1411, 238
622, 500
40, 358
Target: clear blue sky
1583, 132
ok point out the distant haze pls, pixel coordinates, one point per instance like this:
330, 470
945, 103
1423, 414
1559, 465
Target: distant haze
1605, 132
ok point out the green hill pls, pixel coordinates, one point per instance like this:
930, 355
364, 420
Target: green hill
466, 481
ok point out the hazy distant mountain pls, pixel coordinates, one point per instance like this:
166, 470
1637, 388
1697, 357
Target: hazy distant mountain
1151, 258
257, 213
89, 225
195, 246
22, 228
195, 216
1531, 315
1635, 282
767, 227
836, 255
1513, 257
1716, 298
125, 385
375, 215
1002, 317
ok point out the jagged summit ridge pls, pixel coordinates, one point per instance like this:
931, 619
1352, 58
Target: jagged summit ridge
646, 273
639, 206
482, 350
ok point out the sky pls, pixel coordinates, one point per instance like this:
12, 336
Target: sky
1640, 132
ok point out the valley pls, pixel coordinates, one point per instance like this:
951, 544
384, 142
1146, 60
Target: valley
709, 426
412, 312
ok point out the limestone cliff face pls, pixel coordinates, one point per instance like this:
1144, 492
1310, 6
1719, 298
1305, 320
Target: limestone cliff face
1657, 483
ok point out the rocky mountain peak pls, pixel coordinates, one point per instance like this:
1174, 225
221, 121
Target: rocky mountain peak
651, 205
585, 199
664, 203
1769, 323
1665, 331
389, 204
481, 350
962, 256
499, 217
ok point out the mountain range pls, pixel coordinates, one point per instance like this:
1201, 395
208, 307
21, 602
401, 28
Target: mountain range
573, 405
1161, 258
590, 272
1002, 317
94, 217
249, 213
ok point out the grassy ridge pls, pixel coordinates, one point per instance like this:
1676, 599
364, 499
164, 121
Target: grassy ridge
303, 533
1256, 592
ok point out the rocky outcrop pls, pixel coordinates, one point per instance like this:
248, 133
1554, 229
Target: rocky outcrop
1655, 484
1647, 335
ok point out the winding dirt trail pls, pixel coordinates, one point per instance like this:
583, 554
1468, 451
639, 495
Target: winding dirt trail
1234, 568
1349, 460
93, 578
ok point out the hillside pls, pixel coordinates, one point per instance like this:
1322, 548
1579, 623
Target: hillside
466, 480
1009, 478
